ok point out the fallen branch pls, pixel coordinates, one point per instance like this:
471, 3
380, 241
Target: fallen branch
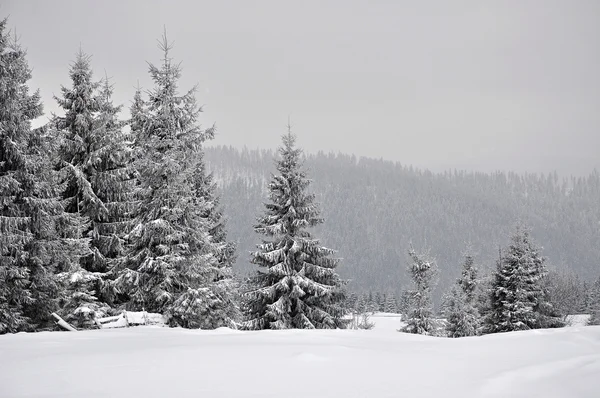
61, 322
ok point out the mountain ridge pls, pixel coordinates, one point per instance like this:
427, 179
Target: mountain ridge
375, 208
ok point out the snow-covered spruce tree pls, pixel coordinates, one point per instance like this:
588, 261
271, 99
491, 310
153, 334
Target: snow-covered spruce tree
403, 303
379, 302
91, 152
35, 233
351, 301
468, 279
594, 303
172, 265
297, 285
112, 177
461, 316
459, 305
518, 301
420, 317
361, 304
138, 113
390, 304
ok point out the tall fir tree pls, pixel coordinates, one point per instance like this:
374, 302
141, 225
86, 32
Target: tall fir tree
518, 300
37, 238
91, 158
172, 265
297, 285
420, 318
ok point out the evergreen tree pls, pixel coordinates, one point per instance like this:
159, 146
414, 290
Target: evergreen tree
350, 302
379, 302
297, 285
36, 235
138, 116
390, 304
420, 317
460, 304
371, 306
92, 156
594, 306
518, 301
361, 304
113, 181
172, 265
461, 316
468, 279
403, 303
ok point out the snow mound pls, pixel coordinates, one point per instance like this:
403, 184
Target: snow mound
132, 318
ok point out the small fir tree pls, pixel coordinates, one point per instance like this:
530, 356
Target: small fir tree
297, 285
361, 304
518, 300
594, 303
468, 280
351, 301
420, 317
390, 304
460, 304
461, 316
379, 302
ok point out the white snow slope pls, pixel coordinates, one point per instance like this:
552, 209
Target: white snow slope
162, 362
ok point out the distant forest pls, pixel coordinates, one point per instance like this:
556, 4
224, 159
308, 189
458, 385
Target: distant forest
374, 209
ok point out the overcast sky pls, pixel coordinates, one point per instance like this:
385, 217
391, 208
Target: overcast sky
483, 85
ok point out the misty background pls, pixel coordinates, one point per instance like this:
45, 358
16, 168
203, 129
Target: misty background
505, 85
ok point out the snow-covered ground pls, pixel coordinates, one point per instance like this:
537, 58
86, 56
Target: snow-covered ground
162, 362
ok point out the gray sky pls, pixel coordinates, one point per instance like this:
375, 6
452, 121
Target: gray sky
484, 85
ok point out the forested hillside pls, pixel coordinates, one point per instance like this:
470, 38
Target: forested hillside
374, 209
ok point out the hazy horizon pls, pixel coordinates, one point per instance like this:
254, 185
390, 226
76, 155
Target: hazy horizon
438, 85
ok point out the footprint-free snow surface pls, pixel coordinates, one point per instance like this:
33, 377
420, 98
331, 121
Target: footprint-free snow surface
161, 362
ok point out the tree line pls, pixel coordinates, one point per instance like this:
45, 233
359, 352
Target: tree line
100, 214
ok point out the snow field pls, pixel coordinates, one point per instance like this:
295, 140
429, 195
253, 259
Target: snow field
163, 362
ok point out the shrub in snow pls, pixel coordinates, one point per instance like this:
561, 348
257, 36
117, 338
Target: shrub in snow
360, 321
297, 285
